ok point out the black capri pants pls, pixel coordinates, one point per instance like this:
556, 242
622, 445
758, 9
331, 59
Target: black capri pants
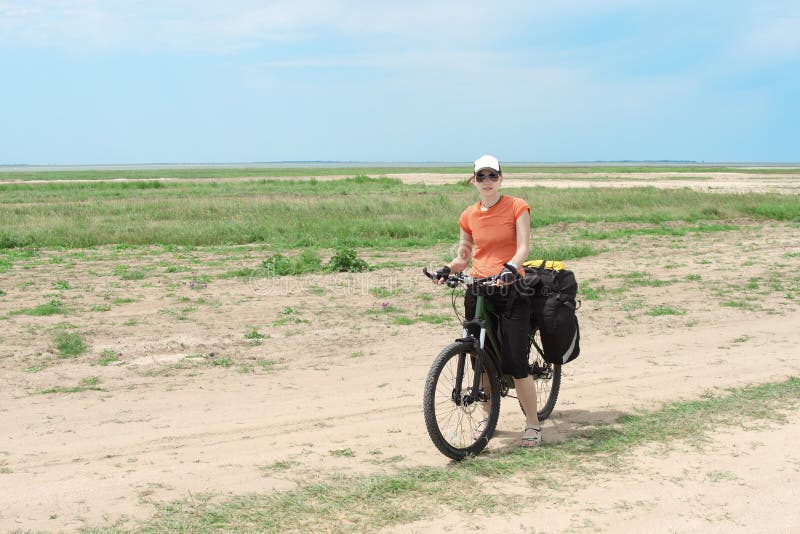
514, 312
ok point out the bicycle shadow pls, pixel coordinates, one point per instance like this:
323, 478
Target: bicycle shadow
561, 426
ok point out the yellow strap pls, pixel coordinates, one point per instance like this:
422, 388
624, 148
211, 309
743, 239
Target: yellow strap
553, 265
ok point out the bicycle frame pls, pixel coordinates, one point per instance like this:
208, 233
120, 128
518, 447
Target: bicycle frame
484, 317
484, 320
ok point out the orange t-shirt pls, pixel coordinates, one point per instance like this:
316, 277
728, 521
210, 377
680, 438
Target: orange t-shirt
494, 233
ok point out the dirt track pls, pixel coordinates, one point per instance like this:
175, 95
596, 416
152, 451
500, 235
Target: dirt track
194, 406
701, 181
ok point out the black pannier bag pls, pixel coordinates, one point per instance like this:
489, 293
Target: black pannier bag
552, 290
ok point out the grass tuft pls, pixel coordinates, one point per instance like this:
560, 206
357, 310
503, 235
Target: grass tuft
69, 345
52, 307
87, 384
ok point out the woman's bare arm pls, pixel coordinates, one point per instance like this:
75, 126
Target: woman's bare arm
523, 239
461, 261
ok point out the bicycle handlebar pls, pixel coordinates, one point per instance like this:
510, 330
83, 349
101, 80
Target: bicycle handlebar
453, 280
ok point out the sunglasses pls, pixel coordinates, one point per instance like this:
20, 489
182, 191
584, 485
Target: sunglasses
493, 176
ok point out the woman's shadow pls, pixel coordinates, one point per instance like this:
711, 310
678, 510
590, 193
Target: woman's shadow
561, 426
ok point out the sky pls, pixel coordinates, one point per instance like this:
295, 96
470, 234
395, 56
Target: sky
200, 81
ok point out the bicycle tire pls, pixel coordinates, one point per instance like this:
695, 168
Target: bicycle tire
453, 426
547, 389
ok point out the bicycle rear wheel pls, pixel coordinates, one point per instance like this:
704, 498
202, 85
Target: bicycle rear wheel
460, 421
546, 379
547, 386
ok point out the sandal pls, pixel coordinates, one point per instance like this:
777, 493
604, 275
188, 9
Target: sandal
479, 429
532, 436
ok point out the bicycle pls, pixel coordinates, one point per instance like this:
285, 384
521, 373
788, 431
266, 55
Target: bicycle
466, 375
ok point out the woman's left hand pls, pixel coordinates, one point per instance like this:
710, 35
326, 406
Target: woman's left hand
508, 275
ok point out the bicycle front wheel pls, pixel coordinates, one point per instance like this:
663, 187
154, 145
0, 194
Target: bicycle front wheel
459, 419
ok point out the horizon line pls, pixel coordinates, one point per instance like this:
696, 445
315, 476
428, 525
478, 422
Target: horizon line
240, 164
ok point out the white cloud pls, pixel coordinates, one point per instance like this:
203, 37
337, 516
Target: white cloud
210, 25
176, 24
773, 40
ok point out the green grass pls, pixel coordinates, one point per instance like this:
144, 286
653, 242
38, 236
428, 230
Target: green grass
655, 231
657, 311
308, 261
127, 273
69, 344
591, 293
123, 300
571, 251
342, 453
107, 356
289, 315
254, 337
87, 384
53, 307
641, 279
382, 292
740, 304
279, 465
368, 503
351, 212
434, 318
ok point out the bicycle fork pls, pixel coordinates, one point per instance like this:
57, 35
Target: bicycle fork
475, 393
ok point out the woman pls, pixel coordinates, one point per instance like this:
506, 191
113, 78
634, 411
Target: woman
494, 233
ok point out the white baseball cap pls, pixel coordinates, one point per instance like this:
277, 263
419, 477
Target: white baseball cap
487, 162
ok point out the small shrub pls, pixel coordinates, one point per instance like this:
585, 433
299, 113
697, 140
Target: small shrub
346, 260
61, 285
278, 264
